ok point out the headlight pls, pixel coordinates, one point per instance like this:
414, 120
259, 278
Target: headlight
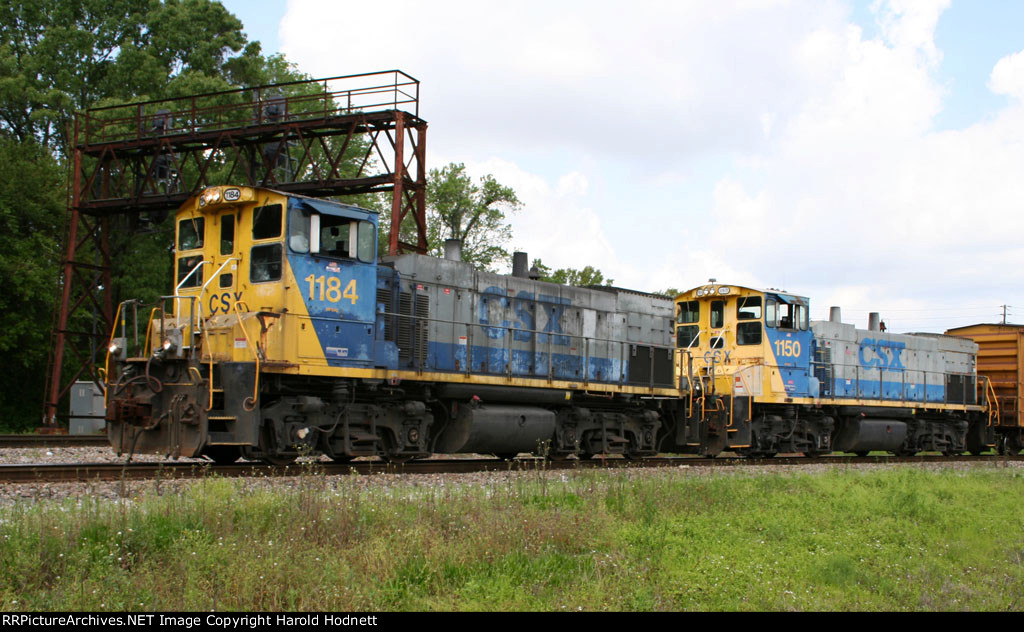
210, 196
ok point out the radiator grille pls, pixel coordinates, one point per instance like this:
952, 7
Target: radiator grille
412, 328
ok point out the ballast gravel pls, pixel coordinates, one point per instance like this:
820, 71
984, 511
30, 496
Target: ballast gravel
22, 493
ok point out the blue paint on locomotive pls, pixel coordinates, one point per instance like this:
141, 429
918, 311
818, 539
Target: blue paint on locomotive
494, 298
339, 293
886, 390
523, 363
792, 351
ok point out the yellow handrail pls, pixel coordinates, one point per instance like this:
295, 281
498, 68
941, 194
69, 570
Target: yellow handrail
255, 352
149, 327
992, 400
106, 360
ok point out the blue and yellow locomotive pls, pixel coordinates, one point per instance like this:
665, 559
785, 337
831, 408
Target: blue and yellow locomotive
761, 378
286, 335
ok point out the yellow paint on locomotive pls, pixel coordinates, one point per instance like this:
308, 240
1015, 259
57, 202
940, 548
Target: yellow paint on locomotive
726, 351
241, 314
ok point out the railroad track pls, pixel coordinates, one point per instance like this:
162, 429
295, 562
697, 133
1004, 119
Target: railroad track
79, 472
52, 440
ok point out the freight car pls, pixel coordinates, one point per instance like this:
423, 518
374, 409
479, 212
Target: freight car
760, 378
285, 335
1001, 362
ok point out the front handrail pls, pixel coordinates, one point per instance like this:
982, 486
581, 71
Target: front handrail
248, 403
177, 289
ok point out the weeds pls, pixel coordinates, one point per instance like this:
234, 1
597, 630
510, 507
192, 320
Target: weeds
900, 539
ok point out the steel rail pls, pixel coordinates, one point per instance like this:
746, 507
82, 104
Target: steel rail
54, 440
78, 472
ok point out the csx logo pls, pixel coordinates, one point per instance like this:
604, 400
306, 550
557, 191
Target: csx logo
882, 354
718, 356
222, 302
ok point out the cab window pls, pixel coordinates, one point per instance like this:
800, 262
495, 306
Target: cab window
748, 333
185, 266
791, 316
336, 236
190, 233
686, 336
227, 234
367, 243
266, 221
265, 264
298, 230
688, 312
347, 238
748, 308
717, 314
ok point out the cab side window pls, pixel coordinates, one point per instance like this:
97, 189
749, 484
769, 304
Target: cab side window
266, 221
748, 315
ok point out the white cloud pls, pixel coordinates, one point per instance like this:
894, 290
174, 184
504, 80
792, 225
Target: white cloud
767, 143
1008, 76
555, 223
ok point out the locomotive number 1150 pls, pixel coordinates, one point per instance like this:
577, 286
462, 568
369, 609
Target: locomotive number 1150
787, 348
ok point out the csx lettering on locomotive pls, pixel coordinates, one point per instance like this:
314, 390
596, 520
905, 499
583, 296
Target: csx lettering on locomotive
882, 354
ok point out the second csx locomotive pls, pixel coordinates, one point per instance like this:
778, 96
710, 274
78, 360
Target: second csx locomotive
286, 335
762, 378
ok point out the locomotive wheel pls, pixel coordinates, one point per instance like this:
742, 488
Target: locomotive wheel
1013, 444
506, 456
862, 453
267, 447
389, 444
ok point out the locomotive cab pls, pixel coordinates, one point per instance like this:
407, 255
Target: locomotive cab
254, 270
740, 341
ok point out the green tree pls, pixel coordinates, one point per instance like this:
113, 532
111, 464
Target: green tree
59, 56
474, 212
589, 275
31, 221
62, 56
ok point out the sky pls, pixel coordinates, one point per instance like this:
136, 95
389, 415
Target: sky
867, 154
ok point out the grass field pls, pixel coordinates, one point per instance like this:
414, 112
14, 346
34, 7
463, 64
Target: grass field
847, 539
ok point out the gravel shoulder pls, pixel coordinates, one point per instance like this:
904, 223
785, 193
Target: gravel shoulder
28, 493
